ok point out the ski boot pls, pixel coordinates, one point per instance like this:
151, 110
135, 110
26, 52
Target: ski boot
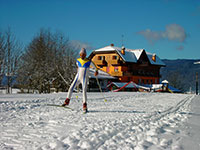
85, 108
66, 102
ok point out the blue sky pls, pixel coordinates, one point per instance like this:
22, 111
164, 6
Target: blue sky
169, 28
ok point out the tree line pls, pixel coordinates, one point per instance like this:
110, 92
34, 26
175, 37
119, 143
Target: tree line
41, 65
49, 57
181, 73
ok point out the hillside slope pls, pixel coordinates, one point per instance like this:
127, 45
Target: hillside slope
181, 73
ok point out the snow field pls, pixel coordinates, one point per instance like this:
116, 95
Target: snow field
128, 120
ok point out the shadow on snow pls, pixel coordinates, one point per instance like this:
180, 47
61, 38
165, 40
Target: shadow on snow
116, 111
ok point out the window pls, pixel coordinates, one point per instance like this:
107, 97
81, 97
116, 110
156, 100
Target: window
142, 81
114, 57
100, 57
107, 69
147, 81
139, 81
116, 69
151, 82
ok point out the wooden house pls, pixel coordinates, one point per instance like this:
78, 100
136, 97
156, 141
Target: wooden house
127, 65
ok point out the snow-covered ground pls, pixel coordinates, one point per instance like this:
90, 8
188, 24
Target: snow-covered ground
127, 120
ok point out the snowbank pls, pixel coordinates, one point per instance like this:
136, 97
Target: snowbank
128, 120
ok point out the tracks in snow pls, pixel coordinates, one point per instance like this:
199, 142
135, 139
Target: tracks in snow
27, 125
132, 133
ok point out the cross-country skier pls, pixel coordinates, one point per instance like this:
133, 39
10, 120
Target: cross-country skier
83, 64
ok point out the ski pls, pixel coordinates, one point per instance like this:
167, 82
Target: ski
60, 106
55, 105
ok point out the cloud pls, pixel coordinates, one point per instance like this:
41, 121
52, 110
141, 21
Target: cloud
77, 45
173, 32
151, 36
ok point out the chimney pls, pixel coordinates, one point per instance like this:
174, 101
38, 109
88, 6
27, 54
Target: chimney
112, 44
123, 50
154, 57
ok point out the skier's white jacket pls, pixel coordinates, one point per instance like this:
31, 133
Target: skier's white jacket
81, 76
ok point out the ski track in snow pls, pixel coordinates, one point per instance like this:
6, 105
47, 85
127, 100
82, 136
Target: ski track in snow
128, 120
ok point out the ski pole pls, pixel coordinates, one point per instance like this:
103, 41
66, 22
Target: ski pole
105, 100
64, 80
62, 77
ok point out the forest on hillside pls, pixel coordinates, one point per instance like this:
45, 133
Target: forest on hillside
181, 73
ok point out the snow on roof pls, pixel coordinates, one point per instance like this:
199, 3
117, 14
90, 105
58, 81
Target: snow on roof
137, 52
101, 75
164, 81
198, 62
128, 56
131, 55
107, 48
158, 60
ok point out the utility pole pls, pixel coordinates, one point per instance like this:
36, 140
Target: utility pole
197, 83
122, 40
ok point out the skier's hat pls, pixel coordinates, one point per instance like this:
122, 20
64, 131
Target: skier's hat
83, 50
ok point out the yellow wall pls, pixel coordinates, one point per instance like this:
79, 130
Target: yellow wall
122, 69
109, 59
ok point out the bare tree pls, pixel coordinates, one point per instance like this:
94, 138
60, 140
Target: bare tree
45, 57
2, 55
10, 50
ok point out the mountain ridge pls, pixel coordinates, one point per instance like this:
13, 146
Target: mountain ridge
181, 73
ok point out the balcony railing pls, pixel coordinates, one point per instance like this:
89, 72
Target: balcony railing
146, 74
114, 61
100, 62
127, 74
113, 73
